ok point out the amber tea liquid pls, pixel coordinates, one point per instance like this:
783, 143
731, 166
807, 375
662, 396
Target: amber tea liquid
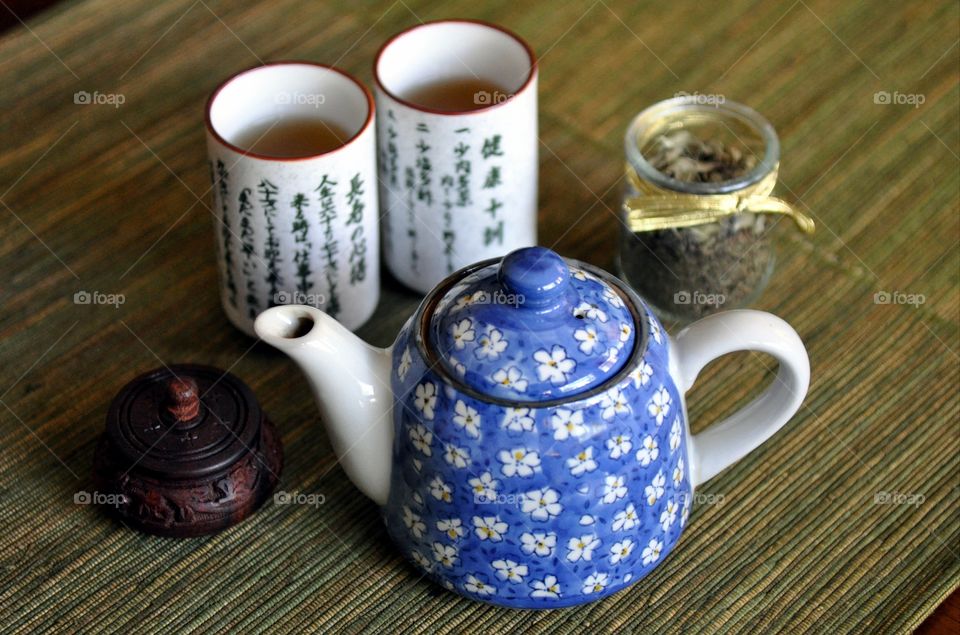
303, 137
458, 95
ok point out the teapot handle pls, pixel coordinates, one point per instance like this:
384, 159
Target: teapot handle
727, 441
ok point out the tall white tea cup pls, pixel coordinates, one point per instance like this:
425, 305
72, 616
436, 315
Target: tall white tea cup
302, 229
455, 186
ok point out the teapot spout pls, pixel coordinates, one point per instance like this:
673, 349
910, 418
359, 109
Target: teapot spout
350, 381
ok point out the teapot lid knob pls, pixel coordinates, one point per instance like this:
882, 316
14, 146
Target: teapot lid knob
537, 274
532, 326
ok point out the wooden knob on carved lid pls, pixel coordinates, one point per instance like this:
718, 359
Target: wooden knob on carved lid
183, 400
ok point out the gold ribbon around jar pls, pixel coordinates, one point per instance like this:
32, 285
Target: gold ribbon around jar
659, 208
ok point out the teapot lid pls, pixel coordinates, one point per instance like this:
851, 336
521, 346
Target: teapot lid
532, 327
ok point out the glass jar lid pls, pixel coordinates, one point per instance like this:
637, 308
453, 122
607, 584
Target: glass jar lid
532, 327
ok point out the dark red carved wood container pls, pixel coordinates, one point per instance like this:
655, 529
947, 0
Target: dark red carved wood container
187, 451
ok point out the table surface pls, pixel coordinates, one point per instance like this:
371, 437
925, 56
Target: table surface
116, 200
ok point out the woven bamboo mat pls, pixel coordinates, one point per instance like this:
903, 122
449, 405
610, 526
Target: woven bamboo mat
798, 536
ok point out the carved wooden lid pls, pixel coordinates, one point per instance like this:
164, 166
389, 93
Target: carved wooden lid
188, 451
183, 421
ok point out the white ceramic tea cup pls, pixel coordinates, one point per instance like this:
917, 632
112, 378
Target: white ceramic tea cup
302, 229
456, 187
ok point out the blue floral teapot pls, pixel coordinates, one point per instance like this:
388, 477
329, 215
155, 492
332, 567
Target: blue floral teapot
526, 435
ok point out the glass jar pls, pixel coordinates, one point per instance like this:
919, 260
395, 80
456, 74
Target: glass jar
693, 247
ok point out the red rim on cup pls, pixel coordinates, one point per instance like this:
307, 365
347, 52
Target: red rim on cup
234, 81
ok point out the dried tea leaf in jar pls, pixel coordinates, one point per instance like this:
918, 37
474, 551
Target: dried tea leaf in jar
695, 237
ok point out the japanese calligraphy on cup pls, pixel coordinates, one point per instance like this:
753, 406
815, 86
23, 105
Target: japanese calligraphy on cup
455, 186
295, 229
